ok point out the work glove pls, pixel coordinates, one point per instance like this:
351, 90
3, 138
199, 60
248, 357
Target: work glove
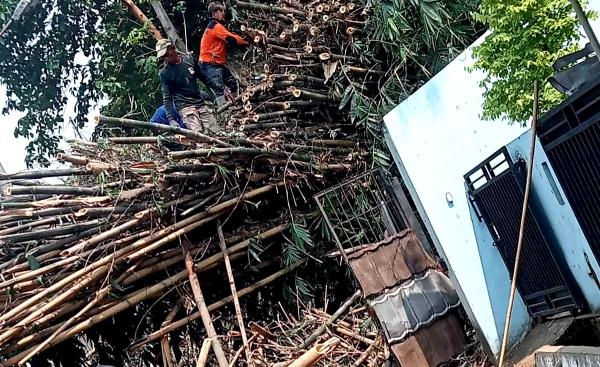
173, 123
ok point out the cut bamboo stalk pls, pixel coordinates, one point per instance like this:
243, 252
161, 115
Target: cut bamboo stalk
174, 130
203, 357
173, 236
29, 226
196, 315
164, 342
104, 236
99, 296
342, 310
211, 260
134, 140
49, 233
236, 301
239, 150
74, 159
40, 311
316, 353
268, 8
33, 175
201, 304
363, 357
310, 95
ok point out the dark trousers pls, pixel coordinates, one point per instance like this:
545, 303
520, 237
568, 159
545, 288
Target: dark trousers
217, 77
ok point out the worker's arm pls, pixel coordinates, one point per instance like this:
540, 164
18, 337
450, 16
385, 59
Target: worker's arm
167, 97
232, 39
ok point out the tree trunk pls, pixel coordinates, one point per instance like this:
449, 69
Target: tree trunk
139, 14
168, 26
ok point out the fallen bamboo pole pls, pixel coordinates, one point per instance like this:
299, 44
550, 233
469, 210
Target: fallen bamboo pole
316, 353
166, 128
202, 308
268, 8
33, 175
164, 342
196, 315
191, 222
342, 310
237, 150
236, 301
203, 357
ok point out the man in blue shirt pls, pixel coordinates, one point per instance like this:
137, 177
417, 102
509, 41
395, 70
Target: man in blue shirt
160, 117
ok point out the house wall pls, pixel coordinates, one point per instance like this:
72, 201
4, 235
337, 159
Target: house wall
436, 136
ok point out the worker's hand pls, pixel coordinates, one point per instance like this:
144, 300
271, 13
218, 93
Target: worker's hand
228, 95
173, 123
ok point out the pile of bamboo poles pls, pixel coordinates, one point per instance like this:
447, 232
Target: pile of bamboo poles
307, 63
130, 218
313, 337
108, 233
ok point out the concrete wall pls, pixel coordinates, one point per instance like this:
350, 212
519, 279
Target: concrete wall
436, 136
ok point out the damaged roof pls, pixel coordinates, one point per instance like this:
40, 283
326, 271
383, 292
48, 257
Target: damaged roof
385, 264
414, 304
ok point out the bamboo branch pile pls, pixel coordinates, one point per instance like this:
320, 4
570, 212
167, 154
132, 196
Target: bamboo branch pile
82, 244
357, 340
107, 236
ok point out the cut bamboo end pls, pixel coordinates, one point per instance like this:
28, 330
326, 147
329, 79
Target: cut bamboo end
248, 107
8, 191
326, 8
283, 35
297, 93
255, 118
269, 85
308, 49
292, 77
243, 28
296, 27
266, 68
97, 119
342, 10
257, 39
350, 31
319, 8
325, 18
82, 213
287, 105
245, 97
324, 56
351, 6
60, 156
313, 31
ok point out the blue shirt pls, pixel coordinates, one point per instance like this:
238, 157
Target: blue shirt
160, 117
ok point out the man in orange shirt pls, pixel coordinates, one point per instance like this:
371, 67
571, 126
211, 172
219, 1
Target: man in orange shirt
213, 54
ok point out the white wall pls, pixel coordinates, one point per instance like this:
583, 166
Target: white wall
437, 136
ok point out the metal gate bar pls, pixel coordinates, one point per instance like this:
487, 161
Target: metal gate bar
361, 210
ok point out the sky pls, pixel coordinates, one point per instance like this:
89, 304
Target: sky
12, 150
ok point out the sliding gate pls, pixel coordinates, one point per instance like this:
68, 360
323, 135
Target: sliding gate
570, 135
496, 190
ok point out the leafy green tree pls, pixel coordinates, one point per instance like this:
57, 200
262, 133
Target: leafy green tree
527, 36
42, 63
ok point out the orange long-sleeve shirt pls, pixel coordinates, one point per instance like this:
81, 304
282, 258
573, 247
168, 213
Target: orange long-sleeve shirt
214, 43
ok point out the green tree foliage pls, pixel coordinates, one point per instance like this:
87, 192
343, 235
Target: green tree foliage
42, 63
91, 51
527, 36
